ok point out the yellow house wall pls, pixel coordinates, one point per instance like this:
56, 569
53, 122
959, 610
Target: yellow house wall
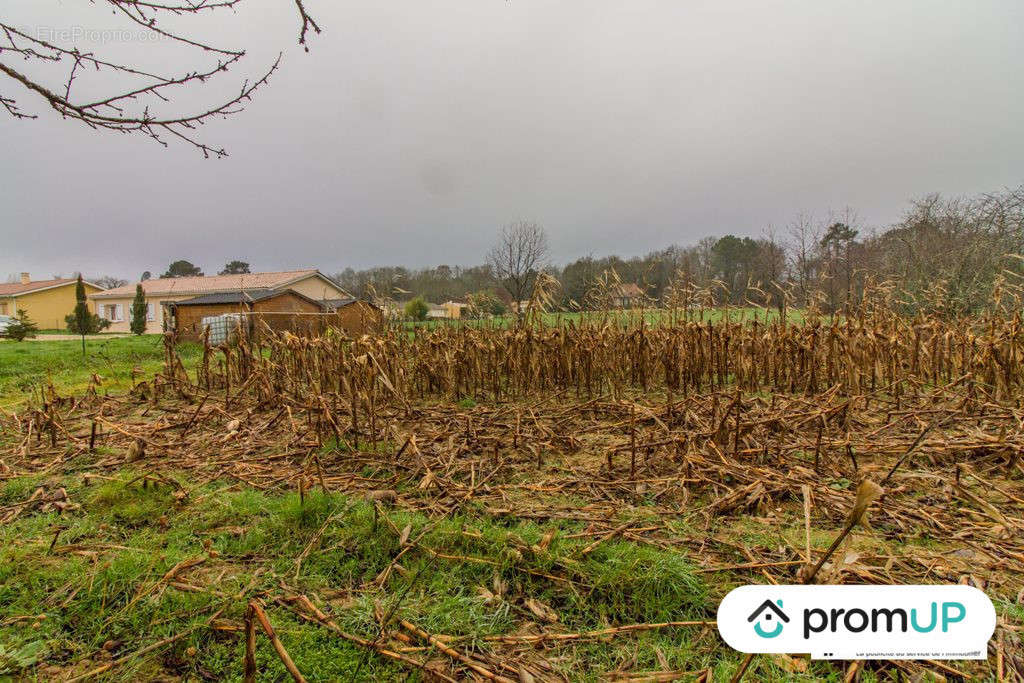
317, 289
47, 308
452, 309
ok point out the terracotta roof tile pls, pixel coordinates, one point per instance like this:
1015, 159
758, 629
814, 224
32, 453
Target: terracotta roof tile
208, 284
11, 288
628, 289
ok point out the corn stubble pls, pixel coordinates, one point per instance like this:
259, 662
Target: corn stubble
908, 428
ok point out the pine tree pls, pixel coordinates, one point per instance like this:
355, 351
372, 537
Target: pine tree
22, 327
139, 310
83, 318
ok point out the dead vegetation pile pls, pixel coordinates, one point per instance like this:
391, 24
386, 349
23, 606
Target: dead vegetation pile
708, 427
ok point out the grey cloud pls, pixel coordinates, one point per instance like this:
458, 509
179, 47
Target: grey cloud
411, 131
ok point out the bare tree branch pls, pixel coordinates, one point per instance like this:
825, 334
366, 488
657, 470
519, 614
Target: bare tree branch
127, 109
307, 21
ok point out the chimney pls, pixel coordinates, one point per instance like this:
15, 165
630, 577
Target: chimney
25, 279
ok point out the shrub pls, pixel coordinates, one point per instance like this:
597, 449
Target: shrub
417, 309
485, 303
23, 327
93, 324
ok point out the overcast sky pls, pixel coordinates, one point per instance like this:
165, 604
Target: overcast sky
412, 130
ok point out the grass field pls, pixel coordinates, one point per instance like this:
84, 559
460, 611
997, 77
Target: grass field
27, 366
50, 332
100, 584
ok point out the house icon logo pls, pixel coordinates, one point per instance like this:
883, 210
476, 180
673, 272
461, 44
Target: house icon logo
768, 619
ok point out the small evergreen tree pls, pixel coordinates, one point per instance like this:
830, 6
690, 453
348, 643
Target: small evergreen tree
93, 324
81, 312
417, 309
22, 327
139, 310
83, 318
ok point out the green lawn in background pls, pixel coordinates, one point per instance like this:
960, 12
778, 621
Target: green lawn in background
27, 365
65, 332
652, 315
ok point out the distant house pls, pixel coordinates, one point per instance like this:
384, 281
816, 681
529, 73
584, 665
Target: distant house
454, 309
627, 295
524, 306
46, 302
449, 310
278, 309
115, 304
185, 317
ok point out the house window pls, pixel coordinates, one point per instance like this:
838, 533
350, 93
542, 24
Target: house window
150, 312
113, 312
3, 308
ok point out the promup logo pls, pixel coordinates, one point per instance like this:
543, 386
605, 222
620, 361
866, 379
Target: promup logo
765, 614
859, 622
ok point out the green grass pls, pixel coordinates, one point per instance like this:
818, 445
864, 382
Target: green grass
26, 366
101, 583
65, 332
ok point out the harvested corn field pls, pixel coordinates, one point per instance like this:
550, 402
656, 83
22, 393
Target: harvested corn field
528, 504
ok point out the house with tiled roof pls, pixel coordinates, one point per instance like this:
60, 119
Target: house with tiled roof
47, 302
627, 295
115, 304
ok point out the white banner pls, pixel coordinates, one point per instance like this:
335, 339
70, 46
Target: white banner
859, 622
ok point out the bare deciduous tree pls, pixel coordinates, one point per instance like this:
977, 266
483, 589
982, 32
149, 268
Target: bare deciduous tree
804, 249
108, 281
517, 258
770, 268
948, 253
129, 91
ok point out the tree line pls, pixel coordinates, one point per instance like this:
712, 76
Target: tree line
950, 252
